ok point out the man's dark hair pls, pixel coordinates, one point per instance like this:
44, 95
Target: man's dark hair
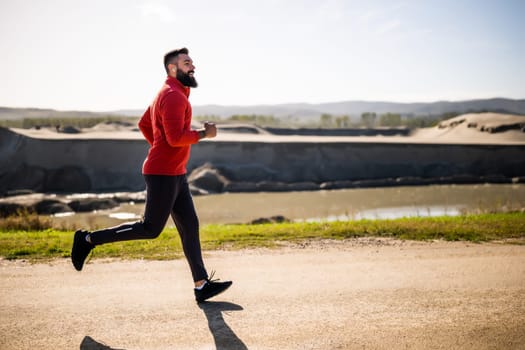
171, 57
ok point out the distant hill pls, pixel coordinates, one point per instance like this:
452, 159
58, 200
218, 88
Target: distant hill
356, 108
304, 111
7, 113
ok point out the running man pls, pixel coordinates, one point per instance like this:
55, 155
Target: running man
166, 125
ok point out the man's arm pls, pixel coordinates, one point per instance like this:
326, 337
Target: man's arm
145, 126
173, 111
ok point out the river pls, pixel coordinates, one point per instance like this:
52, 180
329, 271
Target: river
346, 204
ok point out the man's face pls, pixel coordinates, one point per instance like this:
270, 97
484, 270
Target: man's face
185, 70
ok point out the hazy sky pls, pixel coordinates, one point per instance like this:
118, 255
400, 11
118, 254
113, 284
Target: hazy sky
107, 55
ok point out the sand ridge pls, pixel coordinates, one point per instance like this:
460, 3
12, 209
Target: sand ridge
463, 129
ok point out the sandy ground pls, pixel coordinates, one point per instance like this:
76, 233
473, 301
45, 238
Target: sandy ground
359, 294
455, 130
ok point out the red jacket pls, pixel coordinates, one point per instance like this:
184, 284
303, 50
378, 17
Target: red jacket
166, 125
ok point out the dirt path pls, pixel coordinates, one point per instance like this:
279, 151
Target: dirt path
354, 295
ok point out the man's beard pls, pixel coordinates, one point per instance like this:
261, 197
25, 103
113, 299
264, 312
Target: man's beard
186, 79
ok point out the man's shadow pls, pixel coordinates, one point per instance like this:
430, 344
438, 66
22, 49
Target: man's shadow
223, 335
89, 343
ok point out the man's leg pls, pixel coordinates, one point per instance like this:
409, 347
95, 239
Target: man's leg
159, 201
160, 196
185, 218
187, 224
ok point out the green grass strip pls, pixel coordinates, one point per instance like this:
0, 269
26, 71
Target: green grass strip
33, 245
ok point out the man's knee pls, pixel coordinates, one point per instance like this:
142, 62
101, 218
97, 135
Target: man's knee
151, 231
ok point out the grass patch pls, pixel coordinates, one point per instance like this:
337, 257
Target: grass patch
46, 244
25, 220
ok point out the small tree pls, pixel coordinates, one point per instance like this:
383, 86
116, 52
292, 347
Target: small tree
342, 121
390, 119
327, 120
368, 119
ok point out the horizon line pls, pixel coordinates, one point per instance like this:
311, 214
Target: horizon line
272, 104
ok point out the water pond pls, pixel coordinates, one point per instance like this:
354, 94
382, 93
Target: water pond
346, 204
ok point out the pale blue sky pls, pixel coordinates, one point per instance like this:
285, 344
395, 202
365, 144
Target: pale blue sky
106, 55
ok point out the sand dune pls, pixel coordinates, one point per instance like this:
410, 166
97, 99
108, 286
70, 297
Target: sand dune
477, 128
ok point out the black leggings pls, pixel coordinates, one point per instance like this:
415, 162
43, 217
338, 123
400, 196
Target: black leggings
165, 195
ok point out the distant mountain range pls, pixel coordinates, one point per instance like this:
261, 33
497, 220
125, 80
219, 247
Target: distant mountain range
305, 111
356, 108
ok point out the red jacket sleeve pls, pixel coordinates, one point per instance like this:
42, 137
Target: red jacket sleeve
175, 121
146, 127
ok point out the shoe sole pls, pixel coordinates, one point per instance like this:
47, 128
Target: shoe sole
202, 300
77, 240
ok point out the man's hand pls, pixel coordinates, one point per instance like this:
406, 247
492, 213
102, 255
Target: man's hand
210, 130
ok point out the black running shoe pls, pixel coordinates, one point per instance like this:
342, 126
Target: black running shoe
211, 289
81, 249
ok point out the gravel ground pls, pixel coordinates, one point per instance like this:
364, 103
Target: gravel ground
356, 294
